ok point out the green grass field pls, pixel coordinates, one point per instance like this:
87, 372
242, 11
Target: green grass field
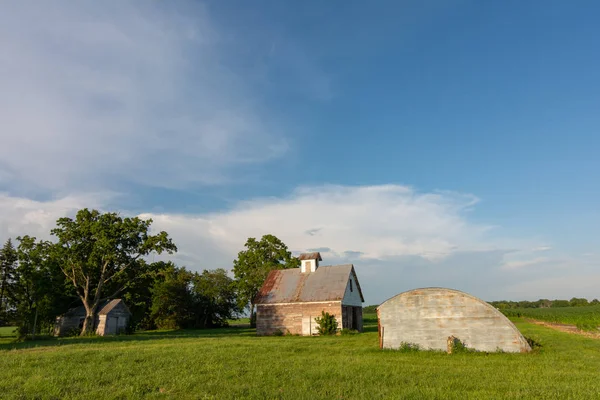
7, 332
234, 363
586, 318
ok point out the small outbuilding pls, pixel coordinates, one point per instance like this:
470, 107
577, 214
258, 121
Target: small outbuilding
291, 299
112, 318
429, 317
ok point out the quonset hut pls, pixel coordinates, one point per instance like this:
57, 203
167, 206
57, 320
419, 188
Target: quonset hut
428, 317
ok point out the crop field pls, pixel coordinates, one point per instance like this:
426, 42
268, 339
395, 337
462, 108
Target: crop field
234, 363
585, 318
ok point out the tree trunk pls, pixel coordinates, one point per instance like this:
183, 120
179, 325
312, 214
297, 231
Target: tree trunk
88, 324
34, 324
252, 316
2, 289
90, 317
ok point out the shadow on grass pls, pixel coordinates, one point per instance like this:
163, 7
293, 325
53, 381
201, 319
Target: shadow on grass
237, 330
138, 336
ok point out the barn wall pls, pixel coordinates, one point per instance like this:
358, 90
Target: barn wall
352, 297
292, 317
65, 324
428, 317
115, 321
101, 326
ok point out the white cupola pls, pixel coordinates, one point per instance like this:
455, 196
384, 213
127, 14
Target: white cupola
310, 262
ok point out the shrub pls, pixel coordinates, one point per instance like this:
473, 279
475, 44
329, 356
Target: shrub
455, 345
533, 343
406, 347
278, 332
327, 324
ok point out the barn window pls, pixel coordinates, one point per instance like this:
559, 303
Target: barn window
351, 285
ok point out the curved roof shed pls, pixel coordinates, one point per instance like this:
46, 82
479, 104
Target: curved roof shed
429, 316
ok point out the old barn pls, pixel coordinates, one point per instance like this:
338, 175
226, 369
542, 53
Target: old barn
111, 319
428, 317
291, 299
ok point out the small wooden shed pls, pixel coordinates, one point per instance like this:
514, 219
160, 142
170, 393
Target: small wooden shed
112, 318
291, 299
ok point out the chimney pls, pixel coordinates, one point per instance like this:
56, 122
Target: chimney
310, 262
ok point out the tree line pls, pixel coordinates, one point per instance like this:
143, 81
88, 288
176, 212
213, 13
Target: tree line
544, 303
97, 256
508, 305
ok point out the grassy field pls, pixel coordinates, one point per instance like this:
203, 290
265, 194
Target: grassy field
586, 318
7, 332
234, 363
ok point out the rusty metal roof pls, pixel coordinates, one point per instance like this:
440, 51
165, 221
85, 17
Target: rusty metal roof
327, 283
310, 256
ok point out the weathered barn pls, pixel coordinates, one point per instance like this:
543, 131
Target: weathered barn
112, 319
291, 299
428, 317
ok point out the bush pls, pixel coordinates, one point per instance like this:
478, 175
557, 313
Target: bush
533, 343
327, 324
278, 332
406, 347
455, 345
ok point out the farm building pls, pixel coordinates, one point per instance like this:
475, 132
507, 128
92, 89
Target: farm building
291, 299
112, 318
428, 317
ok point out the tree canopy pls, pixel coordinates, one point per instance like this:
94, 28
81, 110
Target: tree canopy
99, 252
8, 262
254, 264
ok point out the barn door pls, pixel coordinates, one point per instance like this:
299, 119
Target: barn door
111, 325
355, 318
306, 325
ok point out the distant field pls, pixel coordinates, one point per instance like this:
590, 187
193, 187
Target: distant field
585, 318
234, 363
238, 322
7, 331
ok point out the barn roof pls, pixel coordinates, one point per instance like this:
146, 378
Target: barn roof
327, 283
104, 308
108, 307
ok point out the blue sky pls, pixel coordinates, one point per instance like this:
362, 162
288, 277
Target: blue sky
430, 143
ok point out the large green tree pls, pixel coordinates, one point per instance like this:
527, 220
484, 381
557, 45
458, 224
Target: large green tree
40, 291
8, 264
254, 264
172, 299
215, 297
99, 252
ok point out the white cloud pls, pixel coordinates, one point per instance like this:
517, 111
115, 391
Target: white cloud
397, 238
378, 221
98, 91
21, 216
541, 248
524, 263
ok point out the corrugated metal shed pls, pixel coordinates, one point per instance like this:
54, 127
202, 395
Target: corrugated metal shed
429, 316
327, 283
